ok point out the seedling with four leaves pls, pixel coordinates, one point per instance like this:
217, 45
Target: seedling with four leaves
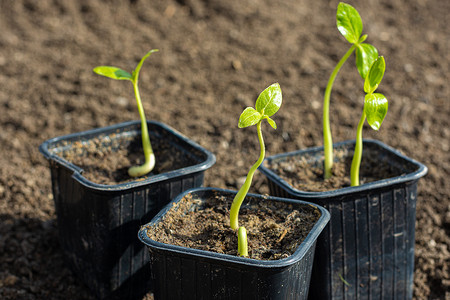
267, 104
350, 26
119, 74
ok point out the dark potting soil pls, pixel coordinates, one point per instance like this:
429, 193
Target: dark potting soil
215, 58
274, 229
306, 173
105, 160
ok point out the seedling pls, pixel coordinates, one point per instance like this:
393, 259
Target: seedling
267, 104
375, 109
119, 74
350, 26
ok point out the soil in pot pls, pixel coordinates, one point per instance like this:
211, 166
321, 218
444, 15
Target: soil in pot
305, 173
106, 159
274, 229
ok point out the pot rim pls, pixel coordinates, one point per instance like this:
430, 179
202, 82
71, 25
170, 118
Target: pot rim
45, 149
420, 171
303, 248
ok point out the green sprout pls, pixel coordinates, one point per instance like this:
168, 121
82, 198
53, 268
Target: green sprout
119, 74
375, 109
242, 242
350, 26
267, 104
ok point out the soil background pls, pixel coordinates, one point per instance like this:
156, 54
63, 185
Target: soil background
216, 57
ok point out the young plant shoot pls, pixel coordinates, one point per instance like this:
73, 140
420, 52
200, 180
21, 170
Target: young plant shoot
267, 104
350, 26
119, 74
375, 109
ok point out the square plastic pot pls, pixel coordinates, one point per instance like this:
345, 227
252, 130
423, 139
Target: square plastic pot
98, 223
367, 249
184, 273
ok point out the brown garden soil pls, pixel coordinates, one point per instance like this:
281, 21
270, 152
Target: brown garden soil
306, 172
274, 229
106, 159
216, 56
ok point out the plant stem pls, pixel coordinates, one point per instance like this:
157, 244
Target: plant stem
327, 139
149, 164
356, 161
242, 242
240, 196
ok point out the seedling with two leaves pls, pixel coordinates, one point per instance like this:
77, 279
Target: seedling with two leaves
375, 109
119, 74
267, 104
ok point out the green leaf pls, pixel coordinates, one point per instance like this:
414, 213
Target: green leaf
271, 122
113, 72
349, 22
249, 117
366, 54
362, 39
375, 75
269, 101
375, 107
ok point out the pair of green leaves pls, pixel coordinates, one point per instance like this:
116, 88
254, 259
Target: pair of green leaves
267, 104
119, 74
370, 66
349, 24
375, 104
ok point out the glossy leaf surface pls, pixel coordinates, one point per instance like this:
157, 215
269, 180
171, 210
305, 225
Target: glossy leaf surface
349, 22
113, 72
249, 117
375, 108
375, 75
272, 123
269, 101
366, 54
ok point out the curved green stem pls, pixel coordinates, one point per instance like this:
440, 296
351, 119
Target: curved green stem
242, 242
327, 139
240, 196
356, 161
149, 163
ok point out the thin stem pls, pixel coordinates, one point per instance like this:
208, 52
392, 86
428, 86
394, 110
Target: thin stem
149, 164
242, 242
327, 139
356, 161
240, 196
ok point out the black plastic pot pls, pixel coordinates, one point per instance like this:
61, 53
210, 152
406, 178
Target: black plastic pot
184, 273
367, 250
98, 223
